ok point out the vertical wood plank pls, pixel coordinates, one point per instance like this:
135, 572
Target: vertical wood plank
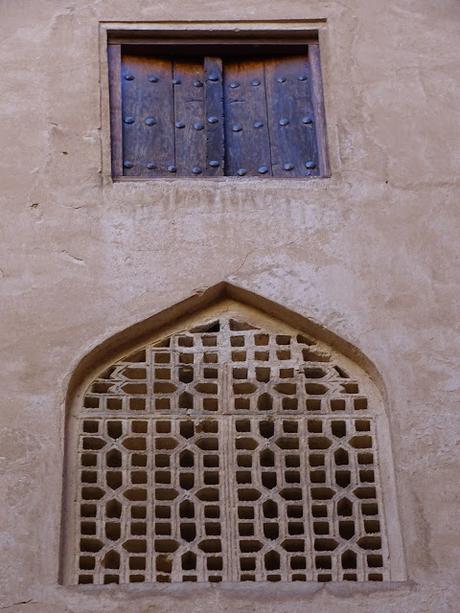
247, 136
291, 117
214, 117
114, 60
189, 118
148, 117
318, 106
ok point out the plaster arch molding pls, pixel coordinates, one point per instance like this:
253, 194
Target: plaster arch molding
228, 439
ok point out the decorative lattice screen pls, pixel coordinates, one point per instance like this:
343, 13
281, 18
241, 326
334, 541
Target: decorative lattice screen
228, 453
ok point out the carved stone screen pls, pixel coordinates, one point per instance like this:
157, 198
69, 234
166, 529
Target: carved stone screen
227, 453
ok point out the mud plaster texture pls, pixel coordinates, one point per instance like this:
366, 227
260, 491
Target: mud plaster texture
370, 253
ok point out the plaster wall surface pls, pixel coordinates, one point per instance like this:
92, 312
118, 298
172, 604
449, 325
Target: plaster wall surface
371, 254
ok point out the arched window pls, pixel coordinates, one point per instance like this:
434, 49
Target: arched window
233, 449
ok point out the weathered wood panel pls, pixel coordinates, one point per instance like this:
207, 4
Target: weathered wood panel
291, 117
147, 109
211, 116
247, 133
189, 120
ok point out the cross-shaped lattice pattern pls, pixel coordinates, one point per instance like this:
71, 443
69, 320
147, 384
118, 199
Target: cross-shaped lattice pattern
228, 453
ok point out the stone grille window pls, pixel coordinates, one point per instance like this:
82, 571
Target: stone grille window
227, 452
182, 108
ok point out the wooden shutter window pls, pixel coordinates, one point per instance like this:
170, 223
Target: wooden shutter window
213, 116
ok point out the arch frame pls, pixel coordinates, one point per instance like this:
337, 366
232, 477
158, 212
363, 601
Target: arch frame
229, 300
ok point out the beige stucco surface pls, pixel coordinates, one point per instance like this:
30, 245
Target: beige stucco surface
371, 253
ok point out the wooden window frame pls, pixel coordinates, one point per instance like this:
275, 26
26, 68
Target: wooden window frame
266, 41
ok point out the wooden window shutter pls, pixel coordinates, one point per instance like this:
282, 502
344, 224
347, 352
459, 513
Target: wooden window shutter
214, 115
269, 118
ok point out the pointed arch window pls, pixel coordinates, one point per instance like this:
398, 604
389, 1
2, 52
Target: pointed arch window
233, 450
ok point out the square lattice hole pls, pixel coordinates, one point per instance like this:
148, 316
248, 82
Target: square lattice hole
337, 404
313, 404
137, 404
261, 339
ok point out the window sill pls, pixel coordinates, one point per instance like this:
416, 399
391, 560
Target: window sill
277, 591
226, 179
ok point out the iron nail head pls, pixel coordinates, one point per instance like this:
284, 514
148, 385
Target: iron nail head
129, 77
128, 164
310, 164
172, 168
241, 172
129, 119
236, 127
150, 121
281, 79
214, 163
180, 125
255, 82
153, 79
258, 124
307, 120
283, 121
196, 170
213, 119
262, 170
288, 166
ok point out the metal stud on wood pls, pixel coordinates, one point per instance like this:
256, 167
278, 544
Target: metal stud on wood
208, 118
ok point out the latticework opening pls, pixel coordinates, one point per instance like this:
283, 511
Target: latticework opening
228, 452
